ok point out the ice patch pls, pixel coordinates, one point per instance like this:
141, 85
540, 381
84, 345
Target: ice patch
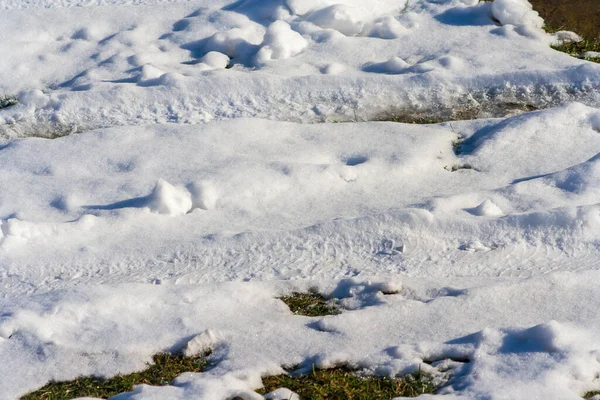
595, 122
282, 394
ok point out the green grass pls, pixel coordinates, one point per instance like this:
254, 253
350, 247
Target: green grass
580, 16
166, 367
8, 101
578, 49
309, 304
344, 384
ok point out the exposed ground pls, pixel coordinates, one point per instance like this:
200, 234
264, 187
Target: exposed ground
581, 16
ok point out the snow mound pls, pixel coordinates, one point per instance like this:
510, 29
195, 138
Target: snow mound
169, 200
387, 28
531, 137
201, 343
487, 209
280, 42
344, 19
516, 12
215, 60
204, 195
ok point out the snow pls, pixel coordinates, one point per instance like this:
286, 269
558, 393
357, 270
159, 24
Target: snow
280, 42
145, 62
282, 394
516, 12
170, 200
173, 167
542, 343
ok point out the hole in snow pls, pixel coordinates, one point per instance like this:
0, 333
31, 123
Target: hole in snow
310, 304
355, 160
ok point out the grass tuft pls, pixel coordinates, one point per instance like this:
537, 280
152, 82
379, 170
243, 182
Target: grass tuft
580, 16
8, 101
345, 384
578, 49
166, 367
589, 395
416, 119
309, 304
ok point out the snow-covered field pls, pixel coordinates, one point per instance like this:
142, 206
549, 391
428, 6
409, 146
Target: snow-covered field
210, 156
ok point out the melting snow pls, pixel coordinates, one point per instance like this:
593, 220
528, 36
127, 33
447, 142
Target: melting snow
200, 188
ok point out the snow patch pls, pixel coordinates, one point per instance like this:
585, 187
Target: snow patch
282, 394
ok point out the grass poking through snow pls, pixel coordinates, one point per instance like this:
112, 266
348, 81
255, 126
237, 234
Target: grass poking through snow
589, 395
579, 16
166, 367
8, 101
309, 304
579, 49
344, 384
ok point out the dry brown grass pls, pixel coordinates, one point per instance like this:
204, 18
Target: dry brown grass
580, 16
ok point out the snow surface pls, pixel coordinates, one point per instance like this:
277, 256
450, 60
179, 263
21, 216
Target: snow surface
115, 62
200, 188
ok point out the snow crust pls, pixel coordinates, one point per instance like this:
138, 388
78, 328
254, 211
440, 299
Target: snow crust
146, 62
93, 201
163, 182
155, 209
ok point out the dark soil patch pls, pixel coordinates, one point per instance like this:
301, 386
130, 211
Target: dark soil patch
580, 16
